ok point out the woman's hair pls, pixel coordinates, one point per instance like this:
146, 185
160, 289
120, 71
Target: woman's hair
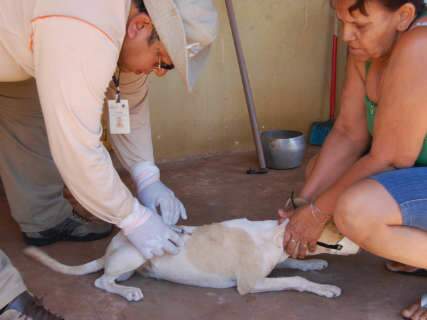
392, 5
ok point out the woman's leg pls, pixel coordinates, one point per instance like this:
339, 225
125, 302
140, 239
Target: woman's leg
388, 217
370, 216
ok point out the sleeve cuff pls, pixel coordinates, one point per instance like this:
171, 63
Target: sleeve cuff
144, 174
136, 218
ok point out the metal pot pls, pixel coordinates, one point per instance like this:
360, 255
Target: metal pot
283, 149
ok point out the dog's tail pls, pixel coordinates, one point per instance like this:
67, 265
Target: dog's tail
55, 265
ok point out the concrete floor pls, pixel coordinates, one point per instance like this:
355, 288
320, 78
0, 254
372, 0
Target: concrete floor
215, 189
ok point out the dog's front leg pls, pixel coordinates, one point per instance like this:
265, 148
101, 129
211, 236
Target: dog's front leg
108, 283
295, 283
304, 265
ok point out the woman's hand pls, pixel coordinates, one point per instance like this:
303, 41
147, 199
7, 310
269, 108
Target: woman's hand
303, 230
285, 214
290, 207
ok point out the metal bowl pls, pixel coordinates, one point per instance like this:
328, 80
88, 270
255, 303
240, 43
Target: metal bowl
283, 149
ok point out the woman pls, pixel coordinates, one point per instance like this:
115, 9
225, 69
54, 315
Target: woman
370, 175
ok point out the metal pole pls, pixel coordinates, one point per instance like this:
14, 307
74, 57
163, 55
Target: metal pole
247, 88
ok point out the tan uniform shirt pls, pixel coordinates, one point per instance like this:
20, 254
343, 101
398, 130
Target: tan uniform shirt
71, 47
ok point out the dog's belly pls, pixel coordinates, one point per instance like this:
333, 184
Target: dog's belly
178, 269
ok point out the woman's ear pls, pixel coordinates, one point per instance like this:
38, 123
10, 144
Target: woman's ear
406, 15
139, 23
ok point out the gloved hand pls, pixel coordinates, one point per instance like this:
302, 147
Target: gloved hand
155, 195
152, 237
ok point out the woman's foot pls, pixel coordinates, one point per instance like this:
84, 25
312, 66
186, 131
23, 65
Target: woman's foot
405, 269
417, 311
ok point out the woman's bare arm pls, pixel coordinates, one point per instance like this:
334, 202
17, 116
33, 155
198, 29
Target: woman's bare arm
348, 140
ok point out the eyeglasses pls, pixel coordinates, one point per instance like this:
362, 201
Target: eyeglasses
164, 66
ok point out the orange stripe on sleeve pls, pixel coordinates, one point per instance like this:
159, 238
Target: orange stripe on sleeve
67, 17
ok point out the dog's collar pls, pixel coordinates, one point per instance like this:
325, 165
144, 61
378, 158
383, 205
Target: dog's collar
338, 247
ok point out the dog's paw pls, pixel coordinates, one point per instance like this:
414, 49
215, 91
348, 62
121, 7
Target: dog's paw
132, 294
108, 284
316, 265
328, 291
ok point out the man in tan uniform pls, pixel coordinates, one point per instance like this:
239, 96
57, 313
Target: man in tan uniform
72, 49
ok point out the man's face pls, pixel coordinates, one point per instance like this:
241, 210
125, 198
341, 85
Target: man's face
139, 53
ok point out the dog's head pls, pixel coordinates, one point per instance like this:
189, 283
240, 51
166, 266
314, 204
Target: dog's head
336, 242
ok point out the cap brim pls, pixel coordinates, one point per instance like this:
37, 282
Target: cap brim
170, 27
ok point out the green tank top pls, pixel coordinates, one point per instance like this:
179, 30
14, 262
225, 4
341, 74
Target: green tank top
371, 109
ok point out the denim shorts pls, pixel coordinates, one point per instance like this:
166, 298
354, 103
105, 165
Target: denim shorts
408, 187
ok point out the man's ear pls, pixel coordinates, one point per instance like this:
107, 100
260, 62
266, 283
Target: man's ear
139, 23
406, 14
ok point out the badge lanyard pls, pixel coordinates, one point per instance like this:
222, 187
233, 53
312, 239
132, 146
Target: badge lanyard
116, 81
118, 111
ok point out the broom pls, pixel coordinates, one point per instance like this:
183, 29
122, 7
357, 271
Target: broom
320, 130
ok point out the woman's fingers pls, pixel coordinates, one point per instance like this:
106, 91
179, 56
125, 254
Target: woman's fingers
312, 246
302, 250
286, 239
292, 248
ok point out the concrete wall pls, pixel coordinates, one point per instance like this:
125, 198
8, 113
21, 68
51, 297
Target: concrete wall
287, 47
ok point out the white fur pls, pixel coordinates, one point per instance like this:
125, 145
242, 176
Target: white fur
253, 249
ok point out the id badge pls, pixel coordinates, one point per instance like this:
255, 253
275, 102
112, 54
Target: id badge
118, 113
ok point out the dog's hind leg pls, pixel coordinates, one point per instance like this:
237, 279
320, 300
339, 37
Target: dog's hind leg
125, 276
304, 265
295, 283
119, 264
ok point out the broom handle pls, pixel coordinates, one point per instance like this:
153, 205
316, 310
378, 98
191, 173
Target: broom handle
333, 88
246, 84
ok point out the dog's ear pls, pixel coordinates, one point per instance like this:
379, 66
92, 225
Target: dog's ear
349, 247
330, 234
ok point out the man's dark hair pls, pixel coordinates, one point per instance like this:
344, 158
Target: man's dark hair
392, 5
141, 6
154, 36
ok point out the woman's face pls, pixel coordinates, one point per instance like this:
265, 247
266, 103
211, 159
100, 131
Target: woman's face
368, 36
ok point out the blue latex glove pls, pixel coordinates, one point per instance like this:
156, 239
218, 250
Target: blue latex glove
153, 237
161, 199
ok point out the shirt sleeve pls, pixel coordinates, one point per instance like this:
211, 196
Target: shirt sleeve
74, 63
136, 147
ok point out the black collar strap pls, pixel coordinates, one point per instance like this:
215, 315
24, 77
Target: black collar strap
330, 246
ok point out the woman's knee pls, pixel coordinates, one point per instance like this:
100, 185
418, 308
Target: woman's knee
353, 215
345, 215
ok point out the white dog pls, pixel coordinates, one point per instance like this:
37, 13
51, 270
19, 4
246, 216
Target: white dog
233, 253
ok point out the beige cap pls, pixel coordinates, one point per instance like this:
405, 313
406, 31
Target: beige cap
187, 28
